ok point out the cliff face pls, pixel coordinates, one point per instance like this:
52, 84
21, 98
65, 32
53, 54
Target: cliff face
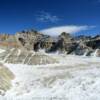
8, 41
32, 40
64, 43
27, 39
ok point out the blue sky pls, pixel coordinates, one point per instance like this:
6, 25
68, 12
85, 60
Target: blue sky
16, 15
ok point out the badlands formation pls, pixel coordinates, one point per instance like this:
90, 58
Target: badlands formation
34, 66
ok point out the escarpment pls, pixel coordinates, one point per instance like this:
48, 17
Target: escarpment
65, 43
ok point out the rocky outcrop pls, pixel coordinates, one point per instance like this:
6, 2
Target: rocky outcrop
8, 41
6, 76
82, 49
27, 39
96, 53
94, 44
19, 56
32, 40
65, 43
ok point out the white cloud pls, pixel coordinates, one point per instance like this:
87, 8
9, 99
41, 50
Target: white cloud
46, 17
55, 31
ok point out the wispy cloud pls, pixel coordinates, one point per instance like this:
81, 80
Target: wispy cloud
55, 31
47, 17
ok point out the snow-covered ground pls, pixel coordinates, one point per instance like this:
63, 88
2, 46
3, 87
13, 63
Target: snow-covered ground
73, 78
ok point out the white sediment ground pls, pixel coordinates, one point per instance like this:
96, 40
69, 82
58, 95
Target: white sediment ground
73, 78
2, 50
